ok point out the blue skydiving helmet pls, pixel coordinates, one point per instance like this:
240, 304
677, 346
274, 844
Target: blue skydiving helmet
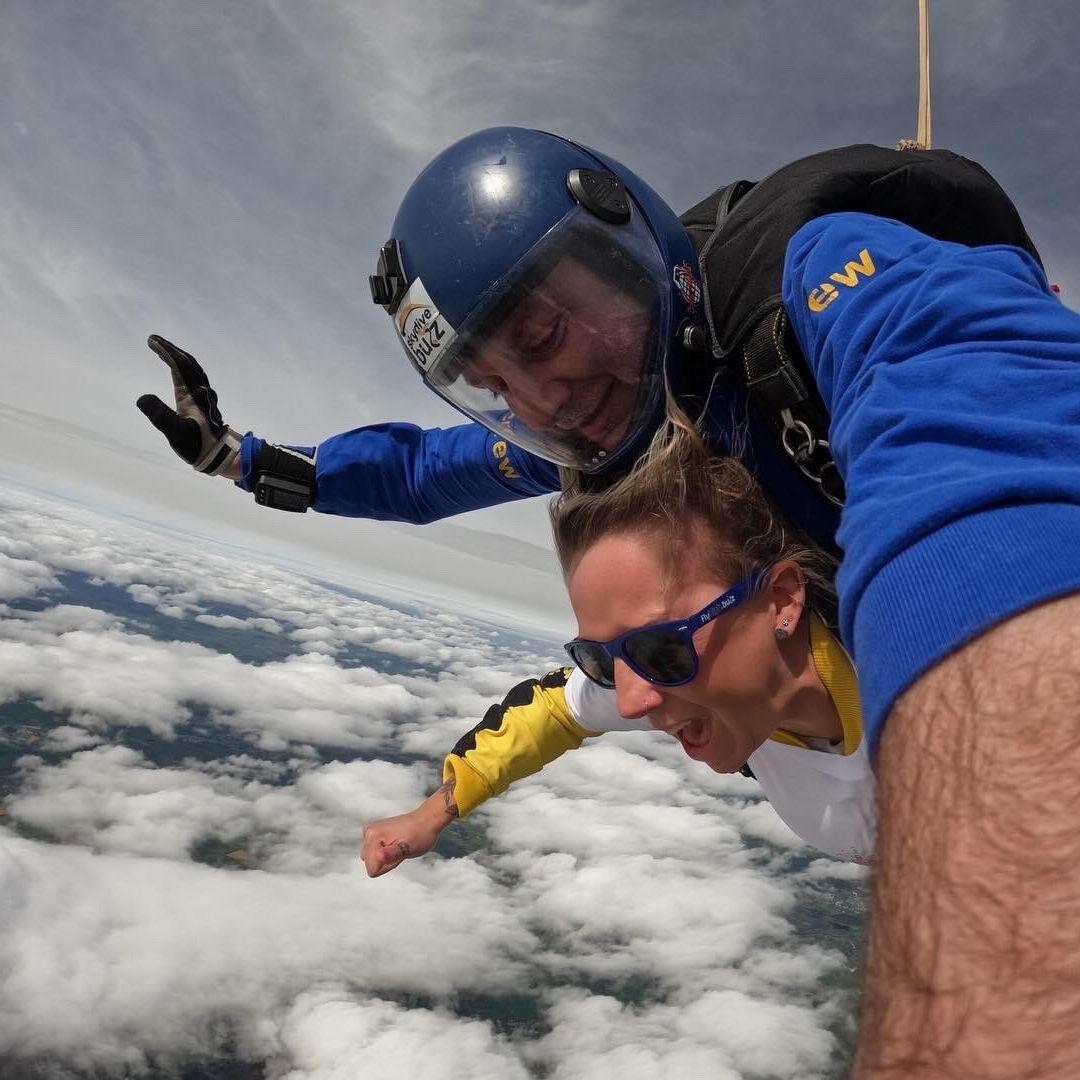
540, 288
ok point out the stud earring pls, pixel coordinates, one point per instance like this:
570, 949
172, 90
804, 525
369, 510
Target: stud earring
781, 634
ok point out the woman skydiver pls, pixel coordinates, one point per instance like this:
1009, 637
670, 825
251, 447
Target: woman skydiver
697, 615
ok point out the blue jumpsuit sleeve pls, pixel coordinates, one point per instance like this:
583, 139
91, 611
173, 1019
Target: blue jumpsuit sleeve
952, 379
401, 472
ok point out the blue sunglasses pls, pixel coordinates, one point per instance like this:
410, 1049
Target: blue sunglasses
662, 653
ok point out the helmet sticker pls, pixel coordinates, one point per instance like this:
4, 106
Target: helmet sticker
425, 334
687, 284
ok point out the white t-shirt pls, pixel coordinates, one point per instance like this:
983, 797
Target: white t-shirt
824, 796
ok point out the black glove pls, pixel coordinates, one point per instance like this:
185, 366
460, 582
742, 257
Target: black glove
195, 429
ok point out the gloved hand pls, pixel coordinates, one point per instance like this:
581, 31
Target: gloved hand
195, 429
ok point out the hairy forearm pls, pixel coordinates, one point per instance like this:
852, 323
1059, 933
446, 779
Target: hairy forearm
973, 967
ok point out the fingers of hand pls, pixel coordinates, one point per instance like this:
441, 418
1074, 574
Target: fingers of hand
187, 374
382, 859
191, 387
182, 432
157, 412
394, 852
371, 858
205, 400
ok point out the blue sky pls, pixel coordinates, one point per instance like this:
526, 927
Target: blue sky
224, 174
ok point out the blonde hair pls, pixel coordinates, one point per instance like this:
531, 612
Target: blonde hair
675, 488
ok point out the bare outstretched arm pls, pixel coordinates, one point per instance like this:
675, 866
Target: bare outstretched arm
975, 935
389, 842
529, 729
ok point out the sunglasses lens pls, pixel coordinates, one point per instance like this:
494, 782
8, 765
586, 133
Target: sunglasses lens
661, 655
594, 661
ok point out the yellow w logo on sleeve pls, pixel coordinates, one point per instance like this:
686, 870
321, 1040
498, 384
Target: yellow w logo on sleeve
820, 298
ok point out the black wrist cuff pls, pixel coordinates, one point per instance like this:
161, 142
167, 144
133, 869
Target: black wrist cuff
284, 478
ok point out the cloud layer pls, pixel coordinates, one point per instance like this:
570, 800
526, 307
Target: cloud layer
191, 744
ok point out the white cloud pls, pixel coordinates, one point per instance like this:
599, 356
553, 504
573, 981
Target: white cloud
23, 577
110, 958
119, 678
328, 1035
722, 1035
66, 740
831, 869
201, 899
231, 622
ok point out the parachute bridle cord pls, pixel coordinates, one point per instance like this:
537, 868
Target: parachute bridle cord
922, 139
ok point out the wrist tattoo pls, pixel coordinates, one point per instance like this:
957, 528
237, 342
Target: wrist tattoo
449, 802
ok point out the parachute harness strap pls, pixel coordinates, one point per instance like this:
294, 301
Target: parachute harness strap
776, 384
768, 370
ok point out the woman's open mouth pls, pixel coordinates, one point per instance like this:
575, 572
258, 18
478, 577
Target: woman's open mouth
695, 736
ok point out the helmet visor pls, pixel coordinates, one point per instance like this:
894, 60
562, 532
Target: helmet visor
562, 356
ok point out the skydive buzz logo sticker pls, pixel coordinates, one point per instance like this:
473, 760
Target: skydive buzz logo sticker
423, 330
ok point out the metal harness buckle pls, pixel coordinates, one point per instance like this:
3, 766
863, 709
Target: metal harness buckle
812, 456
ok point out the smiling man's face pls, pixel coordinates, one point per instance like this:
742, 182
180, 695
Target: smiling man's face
569, 357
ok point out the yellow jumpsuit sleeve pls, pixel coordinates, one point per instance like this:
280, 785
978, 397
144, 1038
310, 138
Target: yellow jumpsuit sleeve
530, 727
